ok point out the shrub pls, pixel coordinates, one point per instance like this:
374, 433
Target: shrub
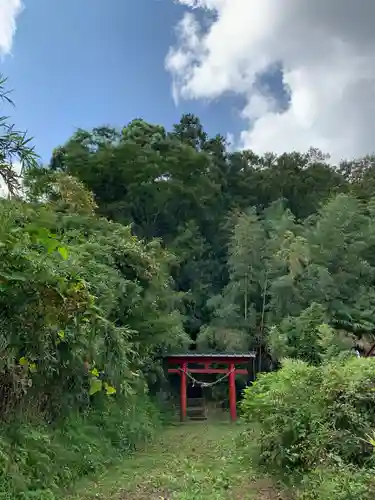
307, 415
37, 460
337, 483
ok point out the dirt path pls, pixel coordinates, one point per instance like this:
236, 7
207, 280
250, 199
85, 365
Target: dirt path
187, 462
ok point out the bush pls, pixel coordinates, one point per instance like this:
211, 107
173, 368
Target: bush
306, 416
338, 483
38, 460
281, 407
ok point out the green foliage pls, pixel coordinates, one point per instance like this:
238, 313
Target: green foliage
281, 407
85, 308
287, 279
312, 422
240, 270
37, 460
79, 291
184, 187
341, 482
308, 337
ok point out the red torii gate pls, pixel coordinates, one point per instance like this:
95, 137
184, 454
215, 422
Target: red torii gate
230, 360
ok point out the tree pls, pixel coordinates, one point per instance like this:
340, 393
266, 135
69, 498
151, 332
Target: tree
183, 188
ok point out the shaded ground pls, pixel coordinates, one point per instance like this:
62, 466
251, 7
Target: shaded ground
188, 462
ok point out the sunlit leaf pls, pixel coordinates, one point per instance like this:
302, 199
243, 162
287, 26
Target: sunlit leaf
32, 367
52, 245
23, 361
63, 252
110, 390
95, 386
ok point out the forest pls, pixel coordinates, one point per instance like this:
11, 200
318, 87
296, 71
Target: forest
135, 242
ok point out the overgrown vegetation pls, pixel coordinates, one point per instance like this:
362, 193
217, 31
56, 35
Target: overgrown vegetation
313, 425
85, 306
135, 242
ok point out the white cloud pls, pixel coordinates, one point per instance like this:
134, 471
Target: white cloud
326, 49
9, 10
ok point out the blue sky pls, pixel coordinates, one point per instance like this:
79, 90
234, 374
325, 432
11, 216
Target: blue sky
84, 63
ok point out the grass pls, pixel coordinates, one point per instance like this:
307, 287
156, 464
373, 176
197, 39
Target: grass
187, 462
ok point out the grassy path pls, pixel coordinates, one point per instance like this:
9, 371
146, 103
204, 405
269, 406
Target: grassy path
187, 462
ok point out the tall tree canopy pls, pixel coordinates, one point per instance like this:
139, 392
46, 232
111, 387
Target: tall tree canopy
186, 188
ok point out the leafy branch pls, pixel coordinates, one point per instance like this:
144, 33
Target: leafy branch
15, 147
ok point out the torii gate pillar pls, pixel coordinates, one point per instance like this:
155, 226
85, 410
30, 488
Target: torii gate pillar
232, 392
183, 391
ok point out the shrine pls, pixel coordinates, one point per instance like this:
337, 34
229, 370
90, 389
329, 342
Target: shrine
234, 364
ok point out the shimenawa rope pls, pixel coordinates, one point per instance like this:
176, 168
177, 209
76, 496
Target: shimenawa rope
206, 384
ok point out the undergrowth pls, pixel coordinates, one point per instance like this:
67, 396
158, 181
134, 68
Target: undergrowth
38, 460
311, 426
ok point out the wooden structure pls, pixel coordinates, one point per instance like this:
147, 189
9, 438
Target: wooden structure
179, 363
371, 352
